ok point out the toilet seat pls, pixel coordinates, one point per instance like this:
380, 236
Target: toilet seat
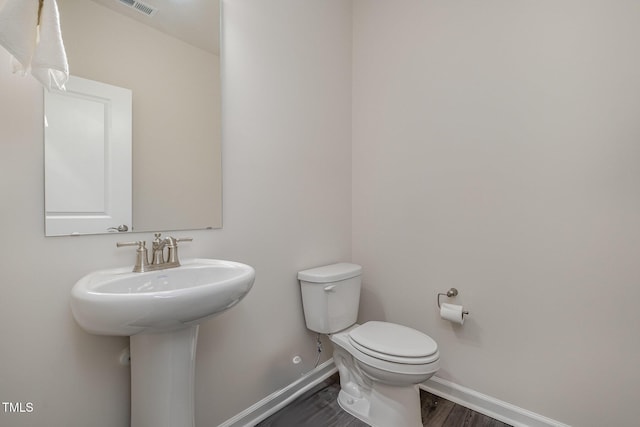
394, 343
404, 371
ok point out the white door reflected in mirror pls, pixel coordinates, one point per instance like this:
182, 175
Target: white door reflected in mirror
88, 151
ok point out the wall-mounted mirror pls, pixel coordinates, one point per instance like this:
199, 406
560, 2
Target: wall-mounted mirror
166, 53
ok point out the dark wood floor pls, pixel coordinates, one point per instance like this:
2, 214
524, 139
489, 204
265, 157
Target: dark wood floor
319, 408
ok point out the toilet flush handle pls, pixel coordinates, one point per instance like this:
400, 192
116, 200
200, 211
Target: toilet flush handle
329, 288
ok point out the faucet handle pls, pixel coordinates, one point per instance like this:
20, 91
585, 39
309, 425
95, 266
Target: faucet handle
142, 262
172, 254
172, 241
140, 244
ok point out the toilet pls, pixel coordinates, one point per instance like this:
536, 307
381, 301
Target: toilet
380, 363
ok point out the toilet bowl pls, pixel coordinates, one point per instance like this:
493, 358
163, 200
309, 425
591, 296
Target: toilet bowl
381, 388
380, 363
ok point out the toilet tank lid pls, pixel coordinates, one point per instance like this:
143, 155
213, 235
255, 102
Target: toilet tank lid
330, 273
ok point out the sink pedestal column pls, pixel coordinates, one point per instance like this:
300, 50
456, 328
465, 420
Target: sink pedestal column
162, 378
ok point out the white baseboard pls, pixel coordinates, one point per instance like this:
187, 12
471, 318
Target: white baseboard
487, 405
281, 398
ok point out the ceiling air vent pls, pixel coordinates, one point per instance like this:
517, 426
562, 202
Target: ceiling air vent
140, 7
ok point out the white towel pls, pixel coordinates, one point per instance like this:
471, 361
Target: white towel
38, 49
18, 21
49, 63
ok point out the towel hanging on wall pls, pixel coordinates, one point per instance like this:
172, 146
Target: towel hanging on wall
30, 31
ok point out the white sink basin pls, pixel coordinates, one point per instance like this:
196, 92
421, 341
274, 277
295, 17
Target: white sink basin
119, 302
161, 311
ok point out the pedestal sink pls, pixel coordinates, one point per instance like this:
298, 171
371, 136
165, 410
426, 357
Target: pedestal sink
160, 310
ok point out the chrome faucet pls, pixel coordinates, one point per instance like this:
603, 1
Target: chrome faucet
157, 254
158, 260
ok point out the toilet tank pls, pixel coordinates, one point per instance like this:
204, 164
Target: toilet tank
331, 296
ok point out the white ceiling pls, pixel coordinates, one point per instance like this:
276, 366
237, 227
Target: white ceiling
196, 22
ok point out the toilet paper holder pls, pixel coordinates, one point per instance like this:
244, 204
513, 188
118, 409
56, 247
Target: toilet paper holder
450, 294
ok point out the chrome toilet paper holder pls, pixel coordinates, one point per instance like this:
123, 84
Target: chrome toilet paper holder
450, 294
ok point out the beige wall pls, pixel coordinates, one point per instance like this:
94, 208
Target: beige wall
176, 112
287, 192
496, 149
